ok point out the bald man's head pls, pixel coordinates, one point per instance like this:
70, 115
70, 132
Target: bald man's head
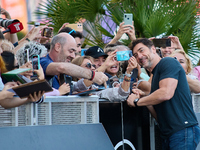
65, 45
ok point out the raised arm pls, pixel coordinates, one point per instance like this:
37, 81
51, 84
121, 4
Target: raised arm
11, 37
132, 63
32, 35
129, 29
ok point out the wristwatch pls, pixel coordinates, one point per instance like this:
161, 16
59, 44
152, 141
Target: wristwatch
135, 102
128, 75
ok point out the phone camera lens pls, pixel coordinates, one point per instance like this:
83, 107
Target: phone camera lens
127, 18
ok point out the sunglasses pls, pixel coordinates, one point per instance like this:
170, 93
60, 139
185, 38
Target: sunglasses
89, 65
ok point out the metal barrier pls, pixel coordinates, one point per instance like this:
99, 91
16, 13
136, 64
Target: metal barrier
54, 110
196, 102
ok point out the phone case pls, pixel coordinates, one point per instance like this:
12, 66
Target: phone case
162, 42
124, 55
36, 62
128, 19
76, 26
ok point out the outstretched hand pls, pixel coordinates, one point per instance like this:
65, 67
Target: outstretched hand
100, 78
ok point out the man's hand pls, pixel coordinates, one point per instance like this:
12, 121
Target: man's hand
100, 78
131, 98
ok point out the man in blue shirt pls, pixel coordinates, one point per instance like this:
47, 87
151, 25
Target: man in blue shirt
62, 51
170, 97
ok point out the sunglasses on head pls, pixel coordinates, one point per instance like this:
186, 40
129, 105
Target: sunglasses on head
89, 65
72, 31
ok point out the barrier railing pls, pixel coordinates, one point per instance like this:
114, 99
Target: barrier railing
54, 110
196, 102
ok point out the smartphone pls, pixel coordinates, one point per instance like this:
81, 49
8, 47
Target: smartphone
124, 55
36, 62
68, 79
83, 52
76, 26
47, 32
164, 42
27, 55
128, 19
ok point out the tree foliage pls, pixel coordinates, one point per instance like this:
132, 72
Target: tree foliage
151, 18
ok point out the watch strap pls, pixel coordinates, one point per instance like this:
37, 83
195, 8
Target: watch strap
135, 102
128, 75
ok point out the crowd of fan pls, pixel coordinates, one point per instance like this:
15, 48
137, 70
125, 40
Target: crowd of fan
69, 71
61, 58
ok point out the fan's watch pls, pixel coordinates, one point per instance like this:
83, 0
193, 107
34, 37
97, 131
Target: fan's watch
135, 102
128, 75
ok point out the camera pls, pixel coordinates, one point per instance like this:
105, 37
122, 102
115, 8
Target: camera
6, 22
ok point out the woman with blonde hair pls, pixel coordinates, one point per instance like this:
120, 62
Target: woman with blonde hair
186, 63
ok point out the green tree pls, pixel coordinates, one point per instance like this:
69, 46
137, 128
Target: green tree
151, 18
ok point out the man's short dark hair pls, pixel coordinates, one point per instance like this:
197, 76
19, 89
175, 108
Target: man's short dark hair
144, 41
74, 34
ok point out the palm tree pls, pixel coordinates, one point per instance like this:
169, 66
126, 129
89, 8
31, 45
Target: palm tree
151, 18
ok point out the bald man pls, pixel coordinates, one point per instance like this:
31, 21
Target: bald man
62, 51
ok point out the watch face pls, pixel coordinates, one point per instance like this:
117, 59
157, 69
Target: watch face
136, 100
128, 75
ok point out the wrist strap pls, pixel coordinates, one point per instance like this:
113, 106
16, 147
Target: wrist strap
92, 76
27, 39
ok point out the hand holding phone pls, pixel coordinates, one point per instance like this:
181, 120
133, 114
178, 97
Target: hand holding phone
123, 55
47, 32
36, 62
